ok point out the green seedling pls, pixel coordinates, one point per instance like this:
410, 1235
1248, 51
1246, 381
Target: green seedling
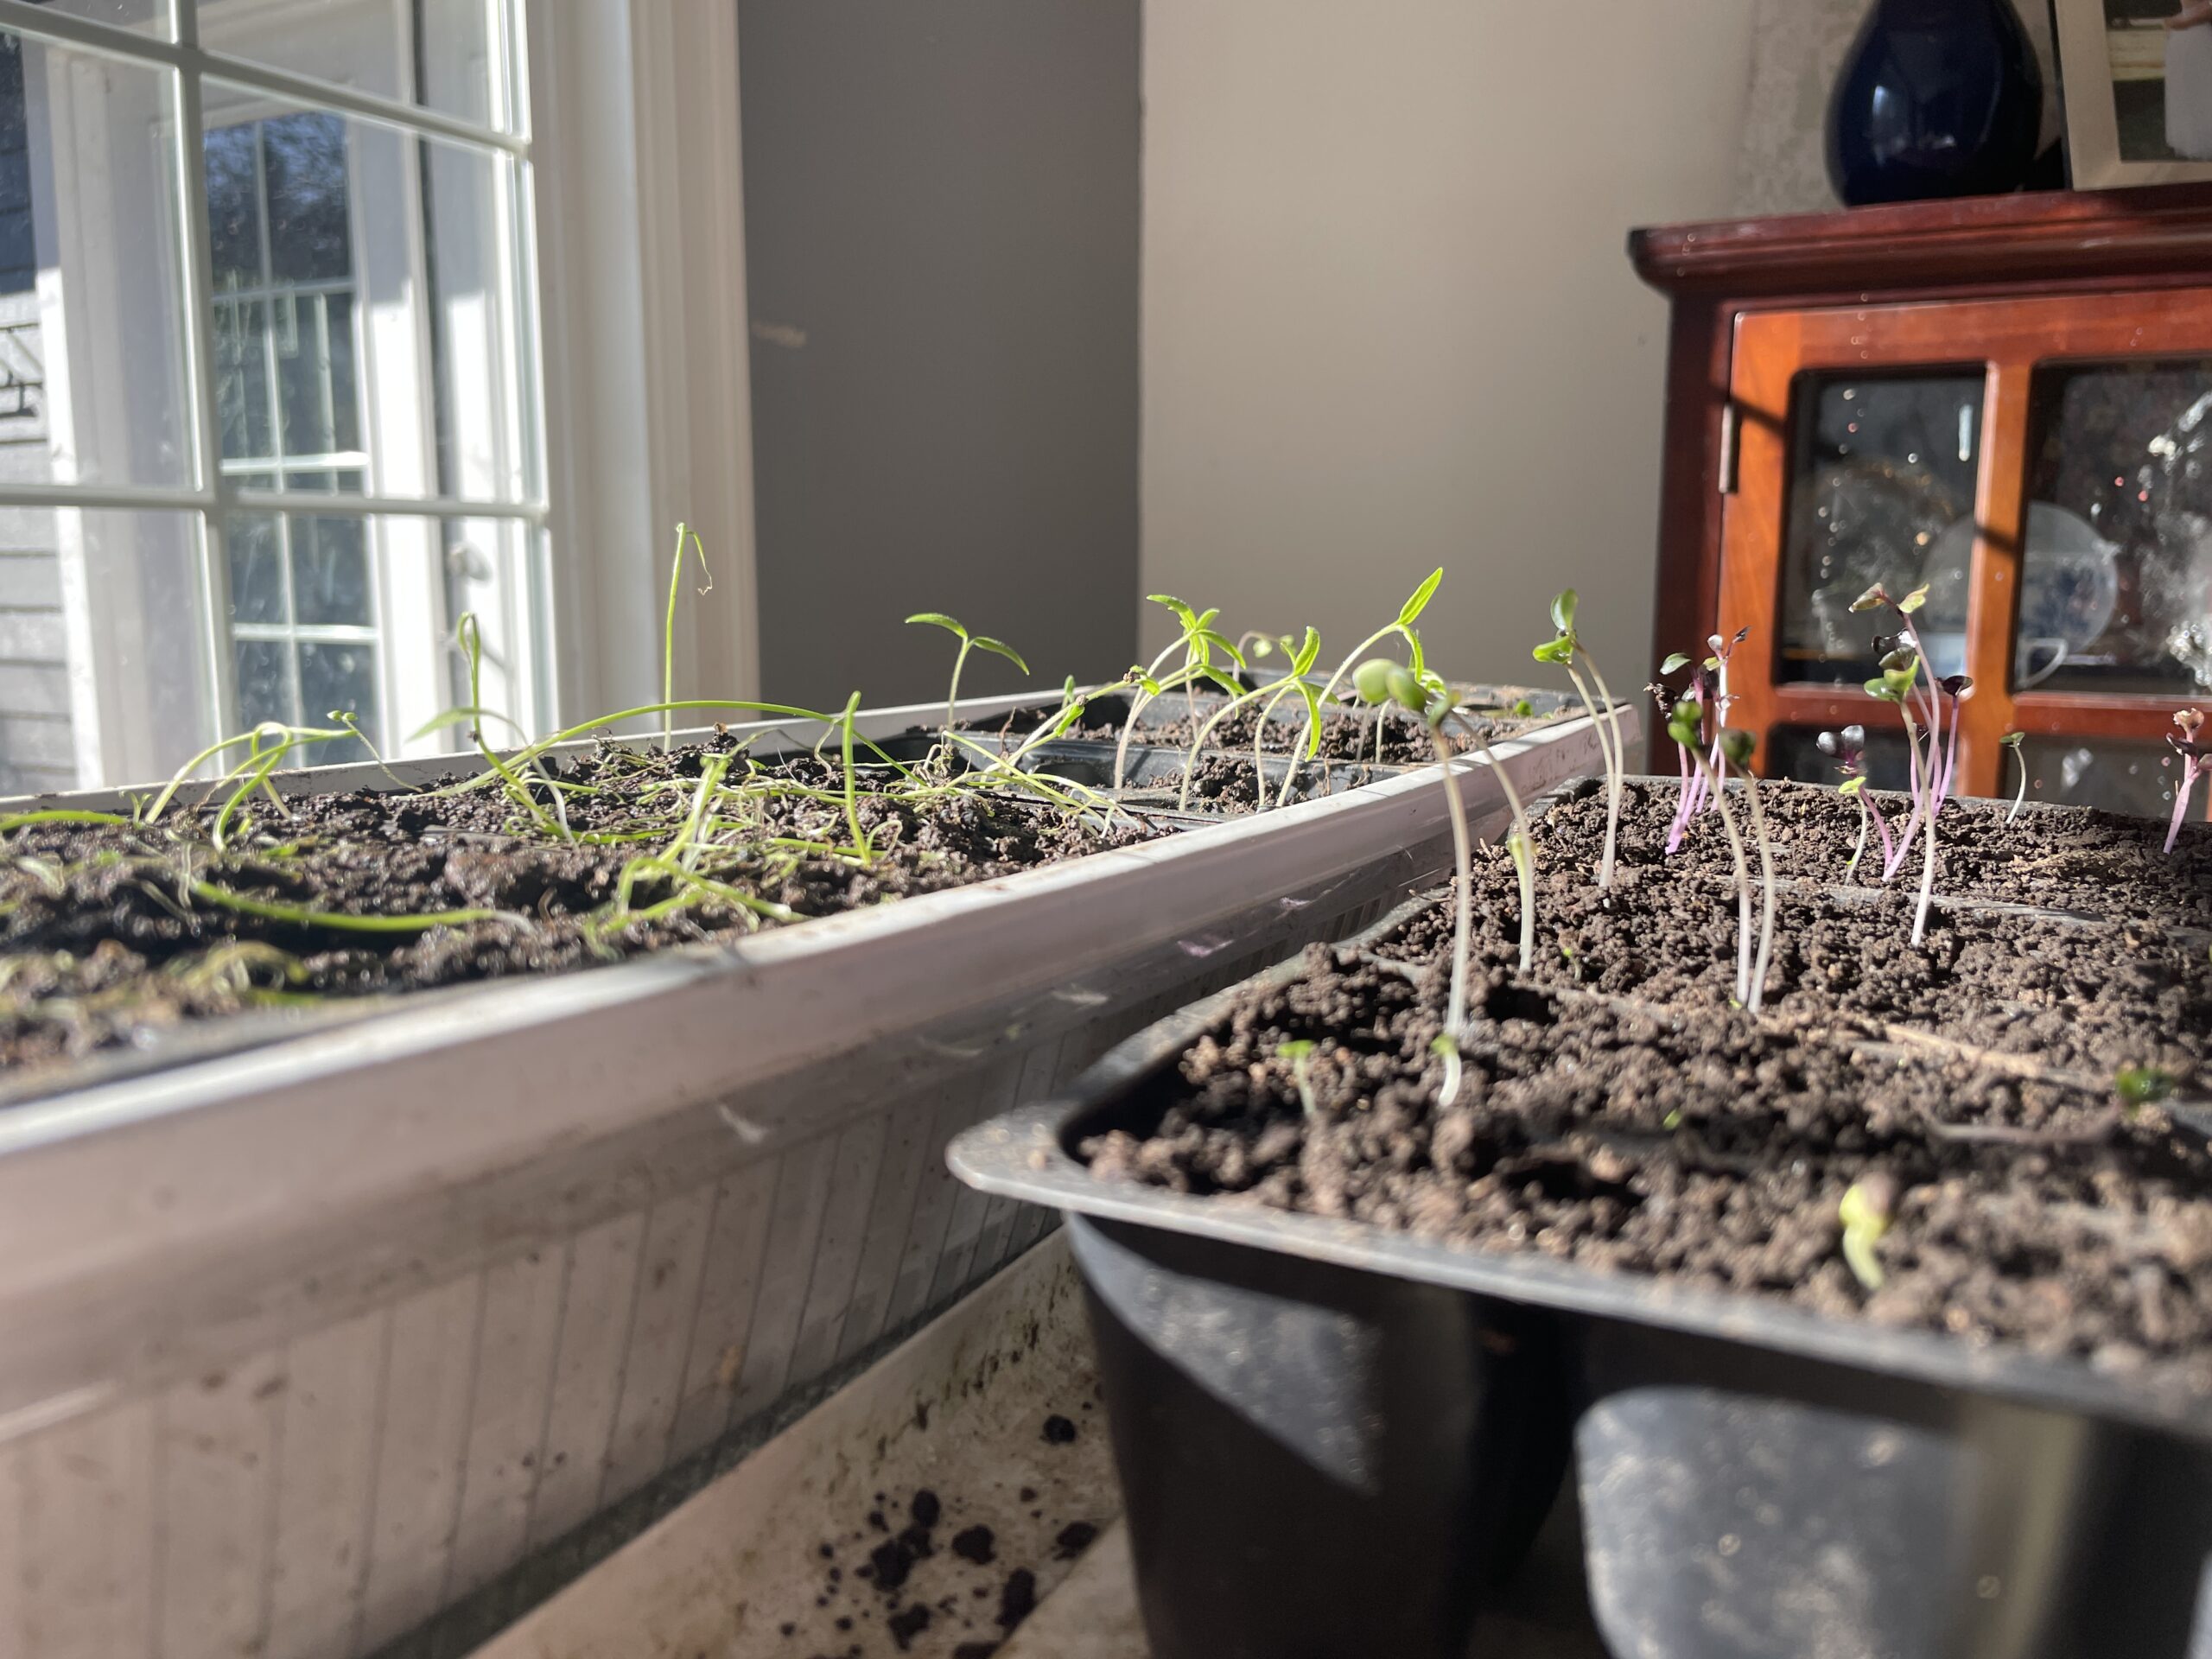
1299, 1053
1866, 1212
1403, 627
2139, 1086
1900, 671
1380, 681
968, 642
1567, 650
683, 533
1268, 697
1685, 725
1197, 642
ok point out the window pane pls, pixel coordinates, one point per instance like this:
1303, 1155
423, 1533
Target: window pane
257, 555
392, 283
264, 673
243, 343
1881, 468
330, 572
2116, 594
339, 678
452, 56
2120, 777
134, 706
103, 226
234, 208
304, 174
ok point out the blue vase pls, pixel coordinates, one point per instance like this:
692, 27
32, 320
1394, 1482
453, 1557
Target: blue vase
1938, 98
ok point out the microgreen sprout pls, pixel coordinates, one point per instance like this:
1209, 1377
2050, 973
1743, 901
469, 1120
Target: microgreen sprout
2196, 760
1267, 697
1197, 642
1684, 725
668, 632
1402, 625
1866, 1212
1847, 748
1692, 792
1903, 659
2139, 1086
1567, 650
1299, 1053
2012, 741
1520, 840
968, 642
1736, 747
1380, 681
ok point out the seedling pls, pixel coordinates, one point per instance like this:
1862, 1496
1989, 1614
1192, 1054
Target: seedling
1267, 696
1847, 748
1520, 842
2196, 760
1735, 746
1408, 613
1567, 650
2012, 741
968, 642
1299, 1053
1900, 669
1867, 1211
669, 629
1381, 682
1197, 642
1683, 727
1692, 798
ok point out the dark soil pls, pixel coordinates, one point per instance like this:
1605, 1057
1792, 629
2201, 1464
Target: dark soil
104, 942
1345, 735
1617, 1110
894, 1587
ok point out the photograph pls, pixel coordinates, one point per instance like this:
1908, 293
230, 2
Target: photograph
2137, 76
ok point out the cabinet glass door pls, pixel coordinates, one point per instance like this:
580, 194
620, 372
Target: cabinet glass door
2042, 467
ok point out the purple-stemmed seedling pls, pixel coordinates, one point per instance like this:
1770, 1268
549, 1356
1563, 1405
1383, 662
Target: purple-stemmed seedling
2013, 740
2196, 760
1693, 796
1847, 748
1684, 725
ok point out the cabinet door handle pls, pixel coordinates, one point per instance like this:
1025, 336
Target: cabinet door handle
1729, 422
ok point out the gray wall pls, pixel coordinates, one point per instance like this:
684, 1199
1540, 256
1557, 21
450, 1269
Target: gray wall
1389, 322
940, 242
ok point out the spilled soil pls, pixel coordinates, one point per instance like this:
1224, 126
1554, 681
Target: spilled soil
113, 935
1617, 1110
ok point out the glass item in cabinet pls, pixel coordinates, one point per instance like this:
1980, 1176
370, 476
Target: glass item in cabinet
2069, 586
2127, 448
2116, 775
1879, 467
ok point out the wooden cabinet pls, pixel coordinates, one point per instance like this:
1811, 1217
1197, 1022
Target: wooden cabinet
2007, 400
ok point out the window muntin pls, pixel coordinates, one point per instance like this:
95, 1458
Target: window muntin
364, 339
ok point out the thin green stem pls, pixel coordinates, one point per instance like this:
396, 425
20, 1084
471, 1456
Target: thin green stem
303, 915
668, 630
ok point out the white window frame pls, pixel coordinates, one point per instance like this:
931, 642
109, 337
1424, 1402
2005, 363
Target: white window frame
631, 199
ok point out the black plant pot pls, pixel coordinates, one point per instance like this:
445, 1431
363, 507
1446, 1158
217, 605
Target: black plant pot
1938, 98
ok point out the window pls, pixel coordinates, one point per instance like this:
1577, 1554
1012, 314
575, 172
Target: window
269, 387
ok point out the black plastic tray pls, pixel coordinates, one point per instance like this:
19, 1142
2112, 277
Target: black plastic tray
1756, 1481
